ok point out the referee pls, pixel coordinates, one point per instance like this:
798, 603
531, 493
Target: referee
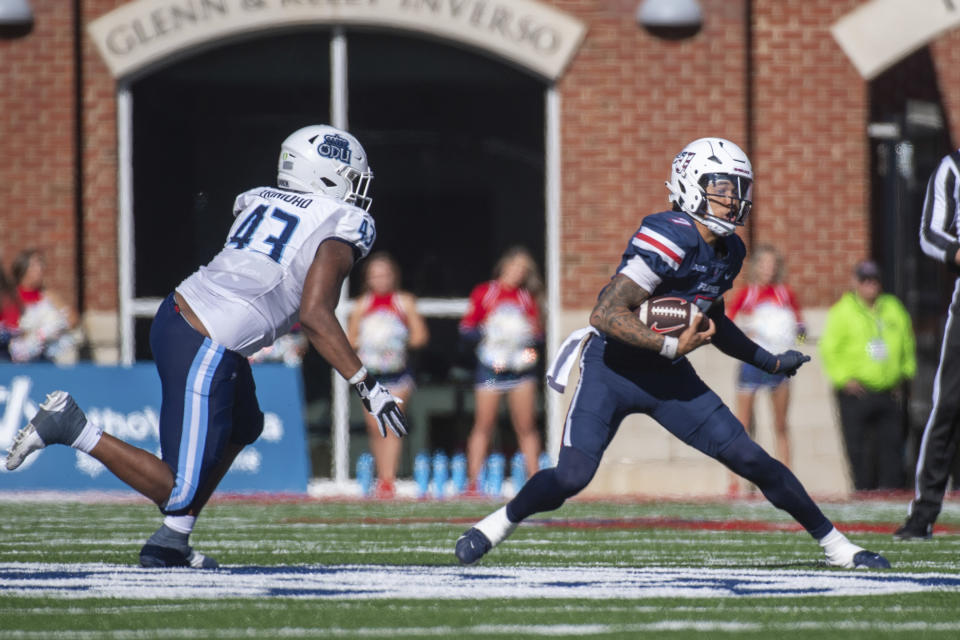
938, 239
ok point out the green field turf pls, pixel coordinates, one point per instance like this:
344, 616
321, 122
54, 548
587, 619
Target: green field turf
696, 578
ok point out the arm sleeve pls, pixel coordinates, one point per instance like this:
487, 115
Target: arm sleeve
735, 343
938, 222
640, 272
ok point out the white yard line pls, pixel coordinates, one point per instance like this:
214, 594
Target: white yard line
511, 630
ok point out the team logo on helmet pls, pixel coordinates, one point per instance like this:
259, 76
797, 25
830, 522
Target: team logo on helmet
682, 161
335, 147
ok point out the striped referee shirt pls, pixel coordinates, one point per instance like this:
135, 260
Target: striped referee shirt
941, 212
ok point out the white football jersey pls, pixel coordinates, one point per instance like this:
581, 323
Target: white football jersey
249, 294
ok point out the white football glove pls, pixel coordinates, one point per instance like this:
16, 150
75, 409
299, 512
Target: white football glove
383, 406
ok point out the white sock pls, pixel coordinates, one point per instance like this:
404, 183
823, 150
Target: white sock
88, 438
180, 524
496, 526
838, 549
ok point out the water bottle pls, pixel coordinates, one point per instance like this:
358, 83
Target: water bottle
365, 473
518, 471
421, 473
441, 471
545, 461
495, 470
458, 473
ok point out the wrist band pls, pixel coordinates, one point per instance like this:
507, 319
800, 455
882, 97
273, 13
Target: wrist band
669, 348
358, 376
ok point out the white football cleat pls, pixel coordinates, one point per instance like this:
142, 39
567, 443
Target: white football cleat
58, 421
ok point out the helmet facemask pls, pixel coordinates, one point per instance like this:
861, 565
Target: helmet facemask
727, 199
359, 185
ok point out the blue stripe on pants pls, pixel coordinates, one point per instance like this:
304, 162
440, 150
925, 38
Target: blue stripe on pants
195, 422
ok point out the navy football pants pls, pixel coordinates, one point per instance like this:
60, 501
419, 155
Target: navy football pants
613, 386
209, 399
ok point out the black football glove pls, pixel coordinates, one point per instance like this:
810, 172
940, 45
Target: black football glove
383, 406
789, 361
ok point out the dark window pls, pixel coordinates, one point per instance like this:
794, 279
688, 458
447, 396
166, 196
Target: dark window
206, 129
456, 141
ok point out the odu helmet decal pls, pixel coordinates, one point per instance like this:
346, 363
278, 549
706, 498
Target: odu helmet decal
335, 147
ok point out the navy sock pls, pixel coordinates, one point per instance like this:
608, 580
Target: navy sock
746, 458
549, 488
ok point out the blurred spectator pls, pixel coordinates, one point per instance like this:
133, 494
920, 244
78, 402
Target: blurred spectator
288, 349
503, 327
768, 312
383, 326
10, 309
42, 327
869, 353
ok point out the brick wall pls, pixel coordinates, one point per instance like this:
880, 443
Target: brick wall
100, 170
629, 102
37, 142
811, 153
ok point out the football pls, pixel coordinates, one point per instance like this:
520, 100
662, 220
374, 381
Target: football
669, 315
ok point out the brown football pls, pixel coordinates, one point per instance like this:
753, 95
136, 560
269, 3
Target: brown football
669, 315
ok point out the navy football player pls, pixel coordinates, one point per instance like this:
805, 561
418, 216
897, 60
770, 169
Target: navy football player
284, 261
690, 252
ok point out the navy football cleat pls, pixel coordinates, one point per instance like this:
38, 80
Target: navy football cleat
869, 560
156, 557
472, 546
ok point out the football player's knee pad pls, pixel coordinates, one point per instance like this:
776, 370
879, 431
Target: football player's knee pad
574, 470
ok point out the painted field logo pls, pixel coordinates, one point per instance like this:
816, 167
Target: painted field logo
338, 582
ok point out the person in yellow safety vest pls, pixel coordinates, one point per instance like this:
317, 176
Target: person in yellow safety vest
869, 353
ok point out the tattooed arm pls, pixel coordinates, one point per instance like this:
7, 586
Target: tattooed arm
615, 315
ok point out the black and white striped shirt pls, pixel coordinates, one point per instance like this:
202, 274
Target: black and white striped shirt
941, 212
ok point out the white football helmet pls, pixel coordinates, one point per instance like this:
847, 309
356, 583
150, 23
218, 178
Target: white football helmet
321, 158
712, 162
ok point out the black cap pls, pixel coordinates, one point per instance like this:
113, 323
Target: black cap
867, 270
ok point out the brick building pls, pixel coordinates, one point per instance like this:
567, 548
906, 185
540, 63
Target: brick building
101, 161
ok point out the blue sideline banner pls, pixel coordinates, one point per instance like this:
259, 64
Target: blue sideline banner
125, 402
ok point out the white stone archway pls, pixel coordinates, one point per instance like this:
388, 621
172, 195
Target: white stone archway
528, 33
